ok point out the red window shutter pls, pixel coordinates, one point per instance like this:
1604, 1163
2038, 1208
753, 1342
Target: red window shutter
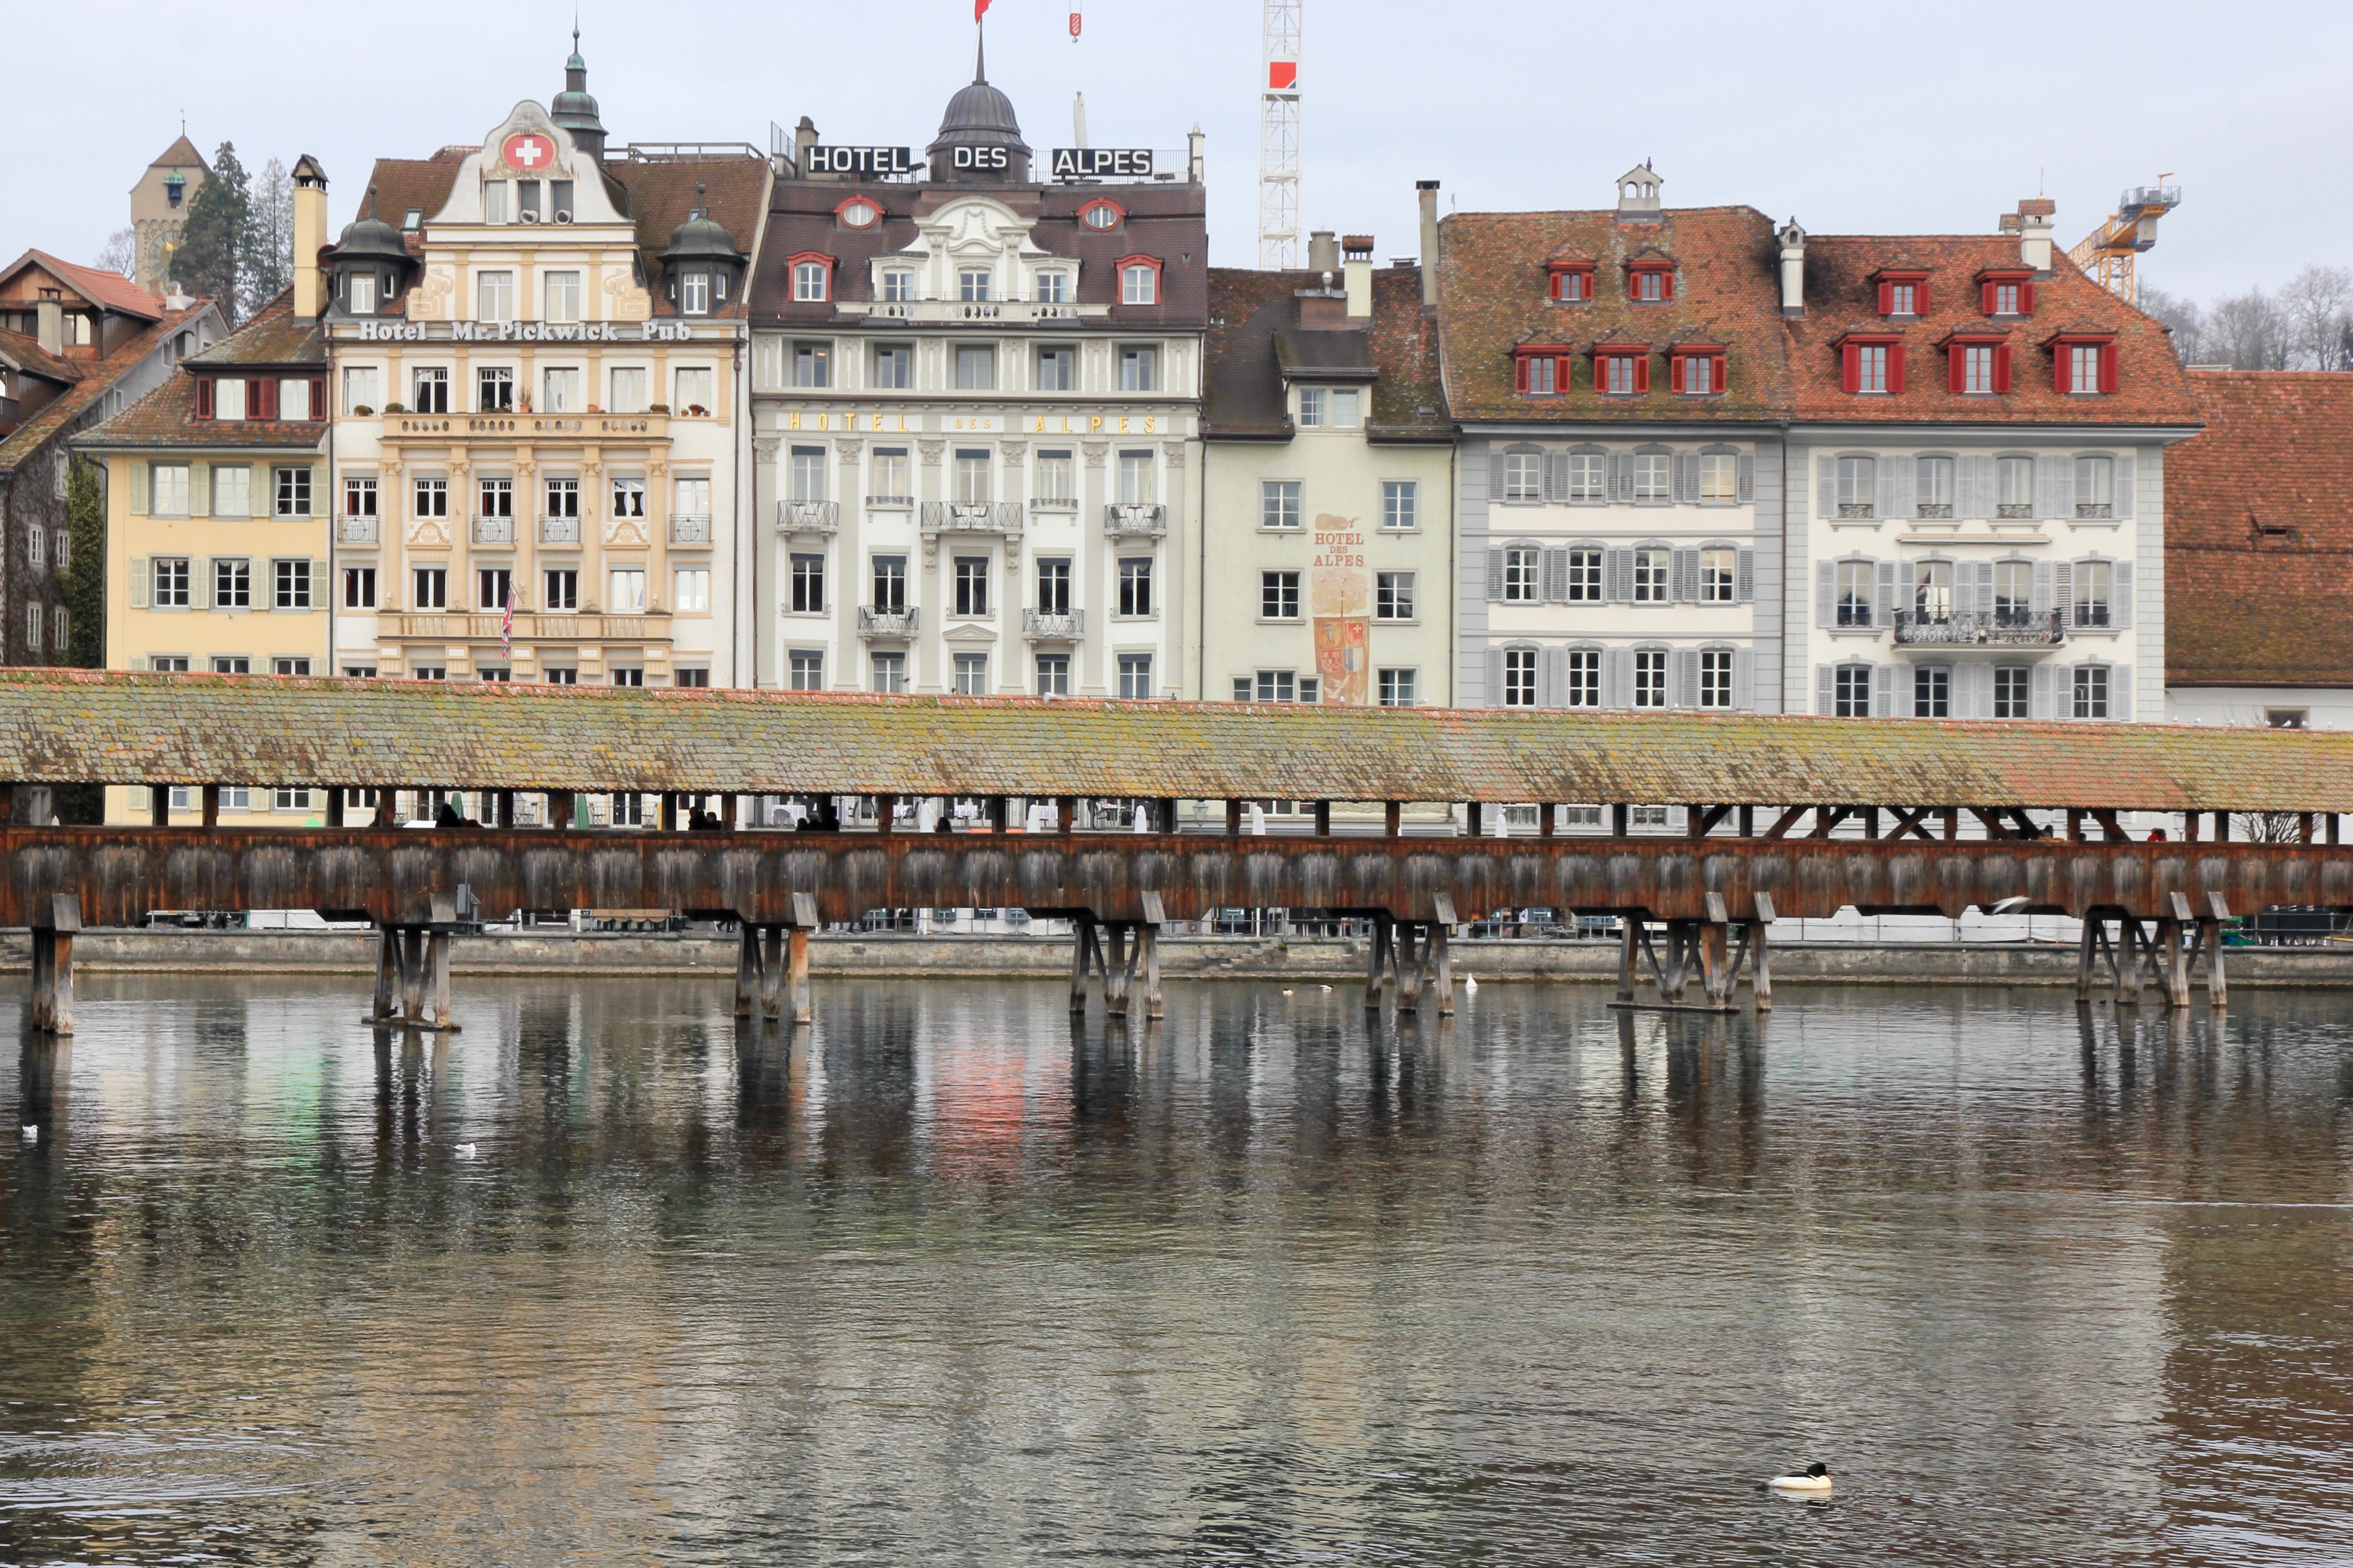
1520, 373
1666, 285
2107, 367
1920, 297
1887, 297
2026, 298
204, 397
1642, 373
1894, 368
1716, 383
2001, 367
1675, 372
2062, 367
1956, 367
1985, 298
318, 397
261, 397
1849, 368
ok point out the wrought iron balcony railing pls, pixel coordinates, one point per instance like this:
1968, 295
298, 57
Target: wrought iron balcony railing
972, 517
1123, 519
882, 621
1053, 625
559, 530
808, 515
690, 528
2007, 628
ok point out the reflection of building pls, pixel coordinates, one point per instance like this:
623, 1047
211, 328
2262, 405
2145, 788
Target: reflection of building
541, 420
159, 212
1326, 490
974, 393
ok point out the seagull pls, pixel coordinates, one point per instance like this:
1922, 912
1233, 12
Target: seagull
465, 1150
32, 1133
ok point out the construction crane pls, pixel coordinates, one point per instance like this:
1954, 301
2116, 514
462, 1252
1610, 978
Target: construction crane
1277, 139
2107, 252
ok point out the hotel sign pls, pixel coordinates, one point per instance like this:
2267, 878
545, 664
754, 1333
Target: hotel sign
524, 331
871, 161
1103, 163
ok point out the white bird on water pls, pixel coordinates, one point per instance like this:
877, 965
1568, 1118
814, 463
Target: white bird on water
465, 1150
1470, 985
1816, 1478
32, 1133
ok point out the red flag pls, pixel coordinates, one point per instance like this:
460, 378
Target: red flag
977, 7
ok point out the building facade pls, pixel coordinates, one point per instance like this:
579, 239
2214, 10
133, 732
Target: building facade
1325, 536
159, 212
974, 393
538, 348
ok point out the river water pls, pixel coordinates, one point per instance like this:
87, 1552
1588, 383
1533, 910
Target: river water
610, 1278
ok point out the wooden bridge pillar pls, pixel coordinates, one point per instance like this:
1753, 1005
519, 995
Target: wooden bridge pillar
1763, 982
2173, 963
1084, 958
1630, 940
412, 974
1441, 954
797, 975
772, 967
52, 944
1116, 971
748, 969
390, 986
1409, 956
1377, 961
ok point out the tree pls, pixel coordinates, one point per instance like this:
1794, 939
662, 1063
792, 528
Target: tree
85, 602
2185, 323
2251, 331
120, 253
207, 263
2317, 301
265, 248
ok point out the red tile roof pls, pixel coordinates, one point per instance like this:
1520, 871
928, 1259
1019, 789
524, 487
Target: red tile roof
167, 416
2259, 533
97, 377
110, 290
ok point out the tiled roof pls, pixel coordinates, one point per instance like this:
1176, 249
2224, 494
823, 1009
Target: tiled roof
98, 376
1841, 299
403, 186
2259, 533
167, 416
1251, 310
111, 290
272, 337
28, 354
662, 193
180, 154
1493, 295
1409, 400
59, 727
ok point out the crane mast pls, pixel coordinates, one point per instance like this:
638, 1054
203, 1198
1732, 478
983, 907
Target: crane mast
1277, 138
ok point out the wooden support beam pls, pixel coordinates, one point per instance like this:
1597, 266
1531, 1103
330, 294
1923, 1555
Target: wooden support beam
562, 806
2111, 830
1909, 822
748, 969
2026, 828
1233, 819
1322, 819
1747, 822
1785, 821
212, 805
159, 805
1378, 961
1474, 820
1163, 821
2304, 827
389, 985
1621, 821
772, 971
1827, 818
1704, 820
1547, 819
1394, 827
2075, 826
886, 812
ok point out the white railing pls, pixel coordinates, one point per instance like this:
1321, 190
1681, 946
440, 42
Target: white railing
494, 531
1053, 625
874, 622
808, 515
690, 528
356, 531
1127, 521
559, 530
972, 517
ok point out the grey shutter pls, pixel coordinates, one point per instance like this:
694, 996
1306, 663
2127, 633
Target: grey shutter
1747, 477
1495, 576
1964, 690
1543, 677
2062, 592
319, 586
1686, 472
2037, 694
1964, 588
2120, 602
1556, 475
2046, 484
139, 574
1983, 571
1495, 678
1494, 476
1556, 576
1883, 604
1685, 577
1621, 476
2120, 692
1978, 489
1617, 575
1745, 570
2040, 601
1908, 592
2124, 483
1826, 690
1685, 668
200, 584
1825, 487
1743, 680
1895, 486
1883, 691
1617, 676
1825, 593
1552, 671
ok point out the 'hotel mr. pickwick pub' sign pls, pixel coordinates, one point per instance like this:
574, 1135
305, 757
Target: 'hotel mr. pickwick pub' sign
528, 332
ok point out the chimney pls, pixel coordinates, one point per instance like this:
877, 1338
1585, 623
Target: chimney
1357, 264
1323, 251
2034, 224
1428, 190
310, 238
51, 332
1793, 268
1194, 155
804, 138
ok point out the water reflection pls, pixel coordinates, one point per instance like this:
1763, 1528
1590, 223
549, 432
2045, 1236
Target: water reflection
952, 1274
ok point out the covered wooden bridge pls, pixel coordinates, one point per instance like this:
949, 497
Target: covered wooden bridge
1785, 817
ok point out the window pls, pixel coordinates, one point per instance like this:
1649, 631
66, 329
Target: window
1311, 405
809, 280
1851, 691
1135, 585
495, 498
1135, 676
1398, 688
888, 477
1854, 582
1519, 677
1053, 288
432, 384
1278, 503
561, 497
432, 588
2094, 582
1139, 284
1540, 374
690, 496
1589, 477
2013, 589
1654, 576
2287, 718
1981, 363
1278, 596
895, 367
234, 492
695, 393
1900, 298
429, 672
1697, 373
1524, 476
360, 293
972, 585
2091, 691
805, 669
1714, 679
228, 398
898, 287
629, 389
631, 676
1522, 578
973, 486
975, 367
1649, 677
1719, 581
491, 586
359, 587
2096, 487
1328, 408
1053, 586
813, 364
2082, 367
804, 476
1719, 478
626, 595
1653, 479
1858, 487
1932, 590
888, 672
890, 578
1100, 215
2011, 684
1932, 691
1931, 487
172, 664
1054, 480
494, 295
560, 390
1654, 285
694, 289
2006, 298
294, 399
1135, 486
493, 389
1870, 361
360, 384
293, 492
1053, 675
1584, 585
564, 589
359, 495
232, 584
2014, 487
167, 490
562, 296
808, 584
1623, 374
1584, 678
1572, 285
1058, 370
975, 286
432, 497
1276, 686
1139, 368
972, 675
562, 675
1401, 504
1393, 596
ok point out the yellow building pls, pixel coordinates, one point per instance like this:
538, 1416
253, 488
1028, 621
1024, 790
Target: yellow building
217, 528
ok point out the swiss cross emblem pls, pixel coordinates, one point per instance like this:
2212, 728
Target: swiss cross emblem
528, 150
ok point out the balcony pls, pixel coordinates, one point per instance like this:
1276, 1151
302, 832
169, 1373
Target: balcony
1123, 519
1999, 628
888, 624
974, 517
690, 528
808, 515
494, 531
502, 427
890, 503
1053, 625
973, 312
559, 530
357, 530
483, 626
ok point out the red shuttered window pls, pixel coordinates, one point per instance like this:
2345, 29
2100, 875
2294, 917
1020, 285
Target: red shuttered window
204, 397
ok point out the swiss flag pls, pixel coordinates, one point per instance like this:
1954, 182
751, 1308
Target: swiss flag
1281, 76
979, 7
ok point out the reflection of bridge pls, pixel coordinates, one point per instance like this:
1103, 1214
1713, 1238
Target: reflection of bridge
1787, 818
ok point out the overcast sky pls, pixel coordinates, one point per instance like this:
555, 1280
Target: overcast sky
1851, 117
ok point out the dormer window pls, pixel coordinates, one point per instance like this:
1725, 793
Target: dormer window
1903, 293
1139, 280
1102, 214
2007, 292
694, 292
1978, 364
361, 291
2084, 365
1695, 369
1053, 288
1872, 365
898, 287
1622, 370
1651, 282
859, 212
809, 282
228, 398
413, 220
1540, 370
973, 285
1572, 282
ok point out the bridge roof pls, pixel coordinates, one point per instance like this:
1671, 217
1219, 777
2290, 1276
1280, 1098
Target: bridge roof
87, 727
